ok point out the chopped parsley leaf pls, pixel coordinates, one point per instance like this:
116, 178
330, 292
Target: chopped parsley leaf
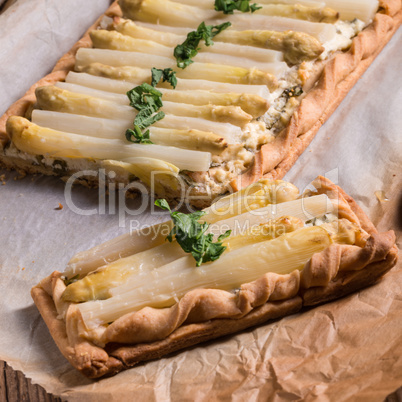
228, 6
147, 100
190, 235
137, 136
167, 75
185, 52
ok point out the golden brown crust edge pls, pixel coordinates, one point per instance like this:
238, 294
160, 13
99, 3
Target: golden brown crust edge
275, 159
333, 273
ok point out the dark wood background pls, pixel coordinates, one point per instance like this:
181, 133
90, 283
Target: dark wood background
14, 387
4, 4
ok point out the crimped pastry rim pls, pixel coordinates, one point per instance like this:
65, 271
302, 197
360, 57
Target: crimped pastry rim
360, 267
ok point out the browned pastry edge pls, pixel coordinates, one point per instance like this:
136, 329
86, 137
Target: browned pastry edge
324, 185
333, 273
275, 159
351, 281
192, 334
96, 362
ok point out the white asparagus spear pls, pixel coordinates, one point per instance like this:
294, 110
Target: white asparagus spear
183, 31
116, 129
101, 83
252, 104
278, 69
103, 39
349, 10
215, 72
123, 246
321, 31
165, 12
79, 124
206, 4
59, 100
144, 40
228, 131
184, 267
188, 139
86, 56
250, 52
296, 46
113, 40
121, 99
121, 87
221, 87
224, 114
183, 15
29, 137
111, 129
299, 12
148, 32
304, 209
255, 196
130, 28
196, 71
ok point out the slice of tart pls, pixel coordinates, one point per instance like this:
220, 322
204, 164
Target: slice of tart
254, 256
195, 98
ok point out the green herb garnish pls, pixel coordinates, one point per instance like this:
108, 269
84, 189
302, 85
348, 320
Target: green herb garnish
190, 234
145, 96
137, 136
71, 280
167, 75
147, 100
189, 48
228, 6
145, 118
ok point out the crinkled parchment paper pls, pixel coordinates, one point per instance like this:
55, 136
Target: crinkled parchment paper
350, 349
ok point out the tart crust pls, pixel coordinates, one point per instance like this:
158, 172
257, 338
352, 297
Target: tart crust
274, 159
205, 314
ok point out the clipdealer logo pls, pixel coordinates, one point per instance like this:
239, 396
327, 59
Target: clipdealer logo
113, 195
113, 199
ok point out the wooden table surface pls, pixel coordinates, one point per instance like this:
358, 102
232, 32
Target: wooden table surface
15, 387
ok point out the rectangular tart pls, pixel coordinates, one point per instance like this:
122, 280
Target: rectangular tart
246, 108
139, 297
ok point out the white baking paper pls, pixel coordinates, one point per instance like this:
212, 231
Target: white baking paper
350, 349
34, 34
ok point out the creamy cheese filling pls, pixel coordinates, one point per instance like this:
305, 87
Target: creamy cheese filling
345, 32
